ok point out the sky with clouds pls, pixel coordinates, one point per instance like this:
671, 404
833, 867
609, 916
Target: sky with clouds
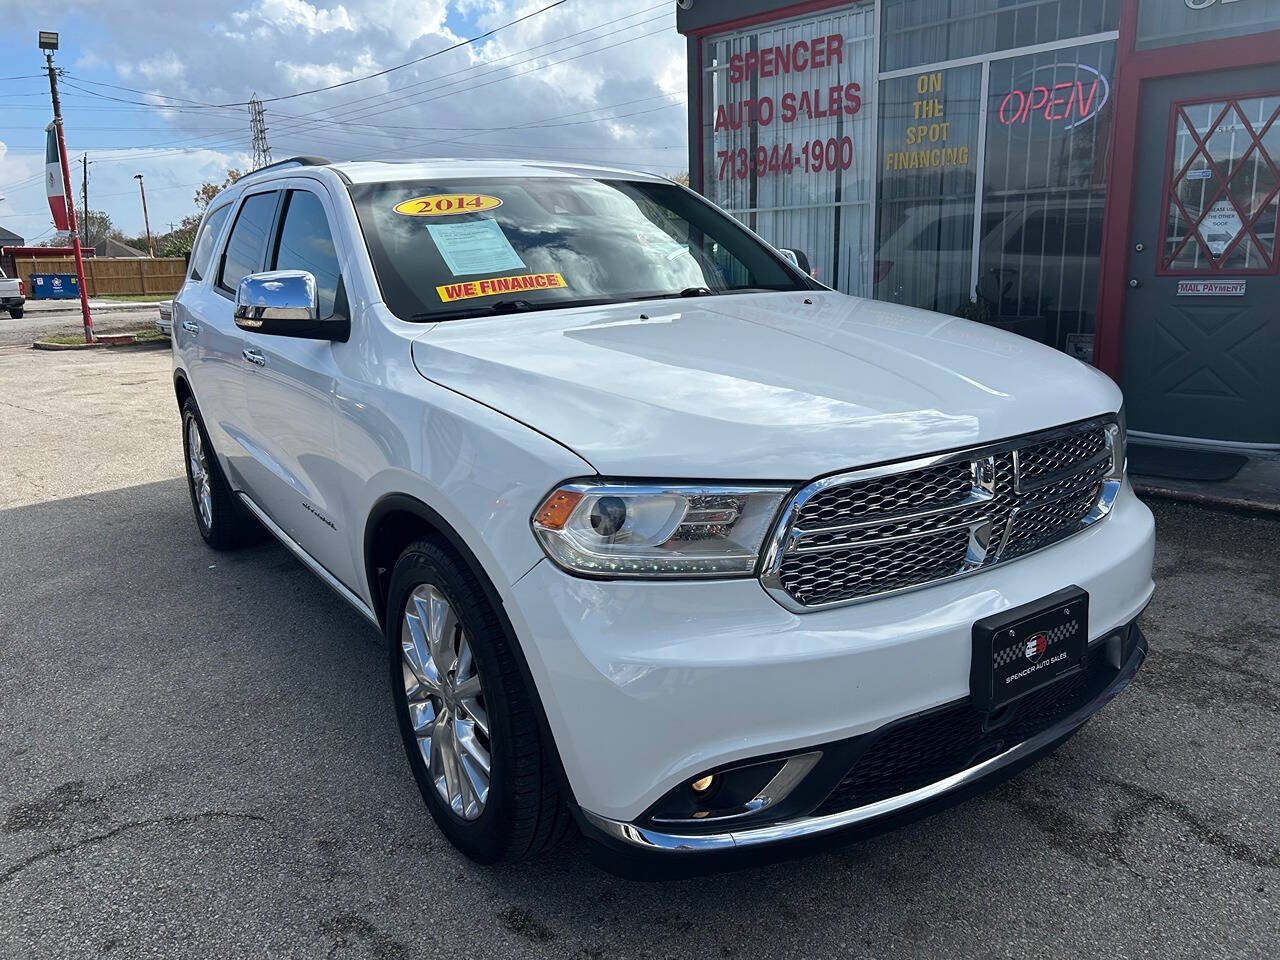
146, 84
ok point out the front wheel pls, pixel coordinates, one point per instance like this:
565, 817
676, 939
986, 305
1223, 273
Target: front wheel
466, 714
223, 520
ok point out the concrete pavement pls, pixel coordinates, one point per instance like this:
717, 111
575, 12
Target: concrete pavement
37, 323
198, 758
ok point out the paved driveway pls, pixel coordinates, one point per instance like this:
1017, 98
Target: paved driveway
197, 758
45, 318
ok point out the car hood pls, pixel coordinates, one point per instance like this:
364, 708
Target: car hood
784, 386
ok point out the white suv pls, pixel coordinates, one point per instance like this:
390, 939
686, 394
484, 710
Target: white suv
666, 539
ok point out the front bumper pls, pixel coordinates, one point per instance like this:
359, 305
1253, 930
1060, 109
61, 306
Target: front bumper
646, 685
1116, 659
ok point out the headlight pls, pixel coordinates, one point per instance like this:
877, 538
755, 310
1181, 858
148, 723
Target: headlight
648, 530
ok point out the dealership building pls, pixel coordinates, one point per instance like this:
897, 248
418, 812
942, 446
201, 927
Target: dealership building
1099, 175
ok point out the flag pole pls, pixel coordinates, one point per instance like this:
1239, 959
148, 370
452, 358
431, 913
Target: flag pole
66, 184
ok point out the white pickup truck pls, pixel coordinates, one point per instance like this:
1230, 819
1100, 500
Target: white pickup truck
12, 295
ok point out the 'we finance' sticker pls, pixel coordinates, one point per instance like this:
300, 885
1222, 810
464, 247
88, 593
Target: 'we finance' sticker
496, 285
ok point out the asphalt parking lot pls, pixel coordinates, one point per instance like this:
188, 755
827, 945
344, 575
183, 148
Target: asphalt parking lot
198, 758
44, 318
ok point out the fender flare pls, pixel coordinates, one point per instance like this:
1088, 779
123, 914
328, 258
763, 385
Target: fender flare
399, 502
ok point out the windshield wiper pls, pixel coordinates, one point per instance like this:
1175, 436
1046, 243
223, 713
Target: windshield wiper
697, 292
514, 306
509, 306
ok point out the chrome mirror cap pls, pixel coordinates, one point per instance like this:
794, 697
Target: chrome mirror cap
276, 295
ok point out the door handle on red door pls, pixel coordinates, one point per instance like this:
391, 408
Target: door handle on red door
254, 357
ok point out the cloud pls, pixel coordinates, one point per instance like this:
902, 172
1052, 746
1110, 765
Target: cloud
166, 67
289, 15
171, 181
591, 80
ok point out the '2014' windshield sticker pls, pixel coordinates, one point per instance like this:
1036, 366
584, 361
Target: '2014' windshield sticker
474, 246
496, 285
446, 205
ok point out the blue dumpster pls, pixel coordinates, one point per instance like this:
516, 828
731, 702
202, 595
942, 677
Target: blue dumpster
54, 286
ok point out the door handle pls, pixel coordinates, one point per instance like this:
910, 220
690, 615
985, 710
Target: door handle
191, 327
254, 357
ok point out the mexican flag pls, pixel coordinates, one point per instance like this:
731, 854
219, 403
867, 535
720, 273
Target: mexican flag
53, 179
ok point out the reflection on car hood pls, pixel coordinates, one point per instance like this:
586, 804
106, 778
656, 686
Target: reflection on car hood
781, 386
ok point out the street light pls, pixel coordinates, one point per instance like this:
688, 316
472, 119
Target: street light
151, 250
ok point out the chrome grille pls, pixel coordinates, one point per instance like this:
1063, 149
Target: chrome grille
891, 528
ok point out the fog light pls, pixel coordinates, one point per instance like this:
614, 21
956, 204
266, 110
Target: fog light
703, 784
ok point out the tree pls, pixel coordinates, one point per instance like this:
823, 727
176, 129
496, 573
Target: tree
100, 227
96, 226
178, 241
206, 193
681, 178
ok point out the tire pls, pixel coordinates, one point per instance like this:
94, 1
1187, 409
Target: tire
228, 523
523, 812
16, 312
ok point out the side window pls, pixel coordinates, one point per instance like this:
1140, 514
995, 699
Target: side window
306, 243
248, 240
202, 253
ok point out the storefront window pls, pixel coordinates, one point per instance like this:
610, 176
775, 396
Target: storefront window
928, 176
1162, 23
1048, 123
787, 131
1223, 187
932, 31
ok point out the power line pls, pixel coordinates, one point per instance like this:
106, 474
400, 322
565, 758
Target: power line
408, 63
348, 118
300, 125
457, 76
468, 84
379, 73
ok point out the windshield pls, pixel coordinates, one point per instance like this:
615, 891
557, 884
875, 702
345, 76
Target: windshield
447, 249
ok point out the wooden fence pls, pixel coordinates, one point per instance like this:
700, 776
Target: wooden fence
112, 276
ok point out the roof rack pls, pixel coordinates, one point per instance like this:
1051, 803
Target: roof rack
303, 161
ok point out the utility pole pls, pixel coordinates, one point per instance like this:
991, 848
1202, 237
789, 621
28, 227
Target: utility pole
151, 249
258, 125
49, 43
84, 163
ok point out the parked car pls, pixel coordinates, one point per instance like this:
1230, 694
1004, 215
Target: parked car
13, 295
1037, 264
667, 542
164, 320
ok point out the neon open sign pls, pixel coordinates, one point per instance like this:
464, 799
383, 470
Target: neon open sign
1069, 102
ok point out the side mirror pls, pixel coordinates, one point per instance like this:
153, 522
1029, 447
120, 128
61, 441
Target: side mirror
284, 303
798, 260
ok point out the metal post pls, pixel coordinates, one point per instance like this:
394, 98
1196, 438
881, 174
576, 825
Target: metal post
151, 250
69, 198
84, 165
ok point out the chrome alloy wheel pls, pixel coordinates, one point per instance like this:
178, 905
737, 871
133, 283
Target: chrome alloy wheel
199, 466
446, 705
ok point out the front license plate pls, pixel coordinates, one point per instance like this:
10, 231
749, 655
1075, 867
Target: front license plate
1028, 647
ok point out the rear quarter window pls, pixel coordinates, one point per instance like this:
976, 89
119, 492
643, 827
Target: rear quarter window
202, 252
